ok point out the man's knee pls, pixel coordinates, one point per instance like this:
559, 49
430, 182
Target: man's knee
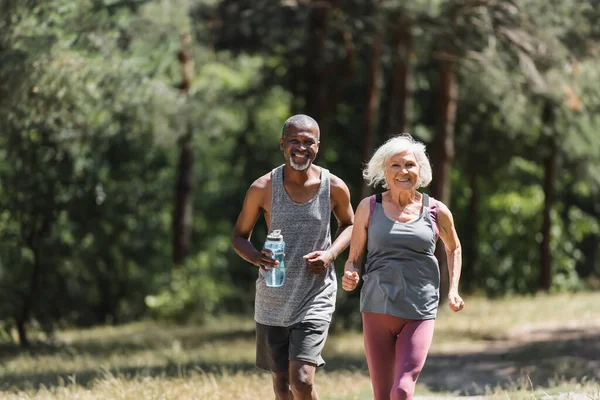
302, 380
302, 386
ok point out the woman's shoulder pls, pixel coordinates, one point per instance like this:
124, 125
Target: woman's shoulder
438, 206
439, 212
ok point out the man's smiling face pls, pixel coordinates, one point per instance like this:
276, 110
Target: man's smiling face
300, 145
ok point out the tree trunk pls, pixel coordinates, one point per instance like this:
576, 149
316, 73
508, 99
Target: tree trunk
22, 331
443, 143
443, 151
182, 213
315, 85
315, 82
34, 243
398, 114
549, 194
372, 105
182, 219
469, 243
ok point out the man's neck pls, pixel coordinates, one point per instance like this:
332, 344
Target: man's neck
293, 176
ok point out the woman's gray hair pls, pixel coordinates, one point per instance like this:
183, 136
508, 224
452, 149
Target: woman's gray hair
374, 172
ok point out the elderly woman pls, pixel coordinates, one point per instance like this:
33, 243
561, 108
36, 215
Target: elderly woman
400, 292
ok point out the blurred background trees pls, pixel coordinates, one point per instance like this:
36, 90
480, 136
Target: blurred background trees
126, 123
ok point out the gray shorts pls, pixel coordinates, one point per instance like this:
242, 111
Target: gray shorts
276, 346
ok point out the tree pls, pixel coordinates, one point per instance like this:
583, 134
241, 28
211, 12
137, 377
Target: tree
182, 214
71, 108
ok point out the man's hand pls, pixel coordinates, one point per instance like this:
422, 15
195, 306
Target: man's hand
455, 302
318, 261
265, 259
350, 280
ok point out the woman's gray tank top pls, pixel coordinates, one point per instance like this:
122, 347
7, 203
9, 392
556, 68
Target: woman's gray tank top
305, 228
402, 276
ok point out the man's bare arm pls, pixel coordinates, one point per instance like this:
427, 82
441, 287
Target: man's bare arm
319, 260
251, 210
344, 214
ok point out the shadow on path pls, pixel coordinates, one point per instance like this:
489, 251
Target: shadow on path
536, 358
563, 354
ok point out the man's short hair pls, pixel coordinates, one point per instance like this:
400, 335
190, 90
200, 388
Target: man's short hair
301, 121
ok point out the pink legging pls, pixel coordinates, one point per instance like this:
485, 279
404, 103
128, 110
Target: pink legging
396, 350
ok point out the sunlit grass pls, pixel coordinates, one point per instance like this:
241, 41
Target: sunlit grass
196, 385
332, 386
147, 360
485, 319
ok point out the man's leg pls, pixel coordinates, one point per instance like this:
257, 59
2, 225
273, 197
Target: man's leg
272, 348
302, 380
306, 344
281, 385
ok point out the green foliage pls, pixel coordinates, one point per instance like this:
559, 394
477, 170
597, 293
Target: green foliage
91, 113
81, 175
196, 288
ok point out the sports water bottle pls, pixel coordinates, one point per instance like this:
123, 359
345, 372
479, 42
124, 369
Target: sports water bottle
274, 277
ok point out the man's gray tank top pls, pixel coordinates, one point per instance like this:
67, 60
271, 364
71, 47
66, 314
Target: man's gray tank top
305, 228
402, 276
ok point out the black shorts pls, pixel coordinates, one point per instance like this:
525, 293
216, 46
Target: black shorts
276, 346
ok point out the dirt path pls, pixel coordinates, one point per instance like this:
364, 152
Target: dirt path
531, 357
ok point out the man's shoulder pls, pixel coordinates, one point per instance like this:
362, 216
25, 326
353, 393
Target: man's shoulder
336, 183
260, 189
262, 183
334, 180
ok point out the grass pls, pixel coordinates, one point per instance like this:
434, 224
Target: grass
520, 347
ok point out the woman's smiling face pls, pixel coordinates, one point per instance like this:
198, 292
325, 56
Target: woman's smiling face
402, 171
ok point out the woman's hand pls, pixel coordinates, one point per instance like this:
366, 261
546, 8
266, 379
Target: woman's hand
455, 302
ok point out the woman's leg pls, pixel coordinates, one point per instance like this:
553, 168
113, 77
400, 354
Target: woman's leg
412, 347
380, 333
